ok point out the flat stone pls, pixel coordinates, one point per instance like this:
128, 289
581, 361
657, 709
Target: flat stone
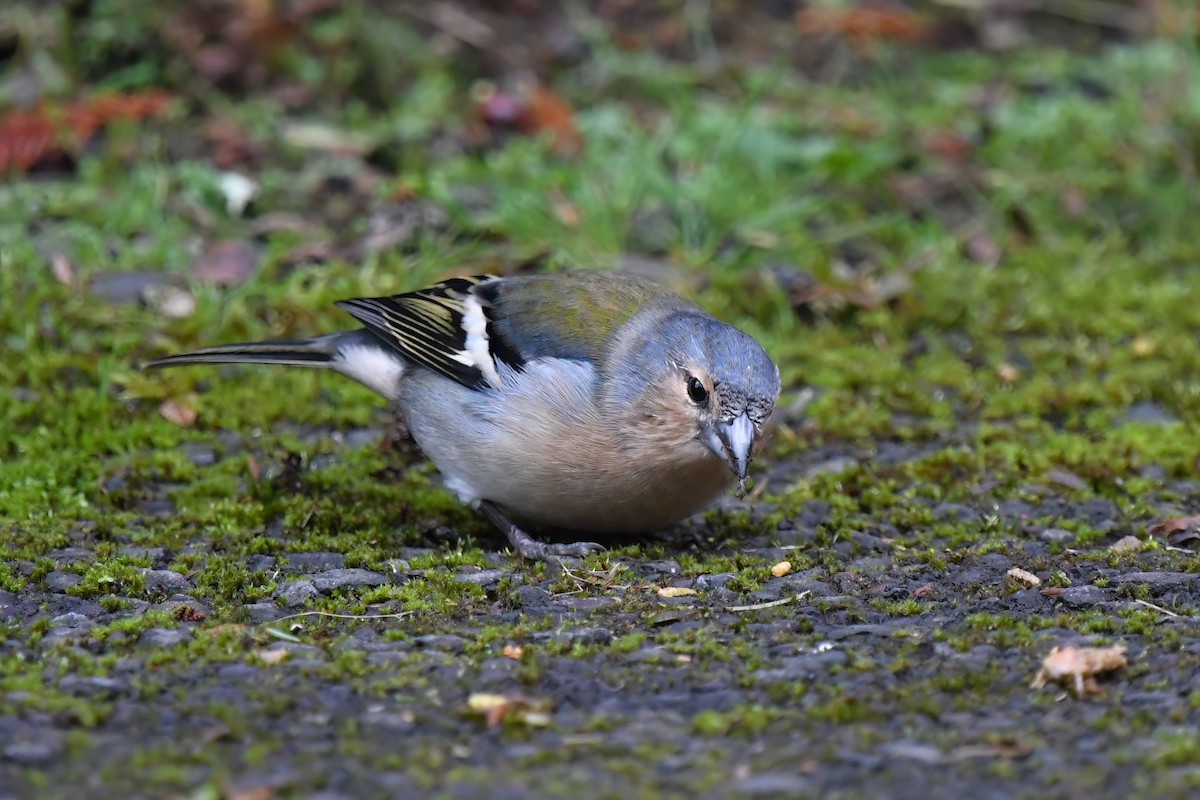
533, 597
587, 635
446, 642
335, 579
36, 748
166, 582
297, 593
773, 784
482, 577
155, 555
914, 751
1083, 596
587, 603
164, 637
71, 555
72, 619
263, 612
59, 581
96, 686
1158, 578
1056, 535
315, 562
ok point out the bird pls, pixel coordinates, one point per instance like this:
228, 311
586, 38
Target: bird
588, 402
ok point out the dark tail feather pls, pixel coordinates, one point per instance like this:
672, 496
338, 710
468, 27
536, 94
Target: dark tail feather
317, 352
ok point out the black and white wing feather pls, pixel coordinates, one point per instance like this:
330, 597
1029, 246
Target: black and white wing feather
448, 328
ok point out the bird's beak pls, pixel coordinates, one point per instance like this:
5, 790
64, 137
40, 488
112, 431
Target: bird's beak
731, 442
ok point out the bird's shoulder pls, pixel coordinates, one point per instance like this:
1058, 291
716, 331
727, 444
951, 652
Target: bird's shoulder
465, 328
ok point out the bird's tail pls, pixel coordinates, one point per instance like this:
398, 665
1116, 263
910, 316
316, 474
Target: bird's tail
355, 354
317, 352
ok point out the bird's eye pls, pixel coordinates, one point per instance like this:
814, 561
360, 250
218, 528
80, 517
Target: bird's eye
696, 391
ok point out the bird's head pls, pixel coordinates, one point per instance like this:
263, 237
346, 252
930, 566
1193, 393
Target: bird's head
707, 382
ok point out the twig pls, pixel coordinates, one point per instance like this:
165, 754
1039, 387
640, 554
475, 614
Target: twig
1159, 609
772, 604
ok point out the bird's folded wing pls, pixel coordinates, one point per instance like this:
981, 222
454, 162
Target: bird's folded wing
446, 327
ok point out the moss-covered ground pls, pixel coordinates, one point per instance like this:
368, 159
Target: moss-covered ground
977, 271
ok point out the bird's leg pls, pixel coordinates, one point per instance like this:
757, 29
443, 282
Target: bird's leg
529, 548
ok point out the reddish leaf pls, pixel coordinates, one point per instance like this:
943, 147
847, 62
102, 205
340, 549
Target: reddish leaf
29, 137
546, 112
1177, 530
862, 26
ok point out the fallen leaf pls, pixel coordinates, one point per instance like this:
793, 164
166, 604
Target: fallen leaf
63, 271
860, 25
1078, 666
226, 263
781, 569
676, 591
271, 656
496, 708
1023, 577
1177, 530
179, 412
546, 112
27, 137
923, 592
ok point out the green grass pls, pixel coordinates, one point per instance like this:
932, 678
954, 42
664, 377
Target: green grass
737, 185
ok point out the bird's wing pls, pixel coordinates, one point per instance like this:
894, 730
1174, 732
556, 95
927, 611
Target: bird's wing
464, 327
446, 327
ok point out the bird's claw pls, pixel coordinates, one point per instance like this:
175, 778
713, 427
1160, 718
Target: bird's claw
531, 549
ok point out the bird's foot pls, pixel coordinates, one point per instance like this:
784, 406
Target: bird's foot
531, 549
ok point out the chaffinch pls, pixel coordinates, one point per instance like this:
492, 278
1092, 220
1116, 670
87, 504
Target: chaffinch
591, 402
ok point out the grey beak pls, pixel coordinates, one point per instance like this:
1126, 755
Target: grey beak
731, 442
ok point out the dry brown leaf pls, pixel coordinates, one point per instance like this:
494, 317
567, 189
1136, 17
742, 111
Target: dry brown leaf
862, 26
1023, 577
29, 136
495, 708
1078, 666
546, 112
180, 411
924, 592
676, 591
1177, 530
